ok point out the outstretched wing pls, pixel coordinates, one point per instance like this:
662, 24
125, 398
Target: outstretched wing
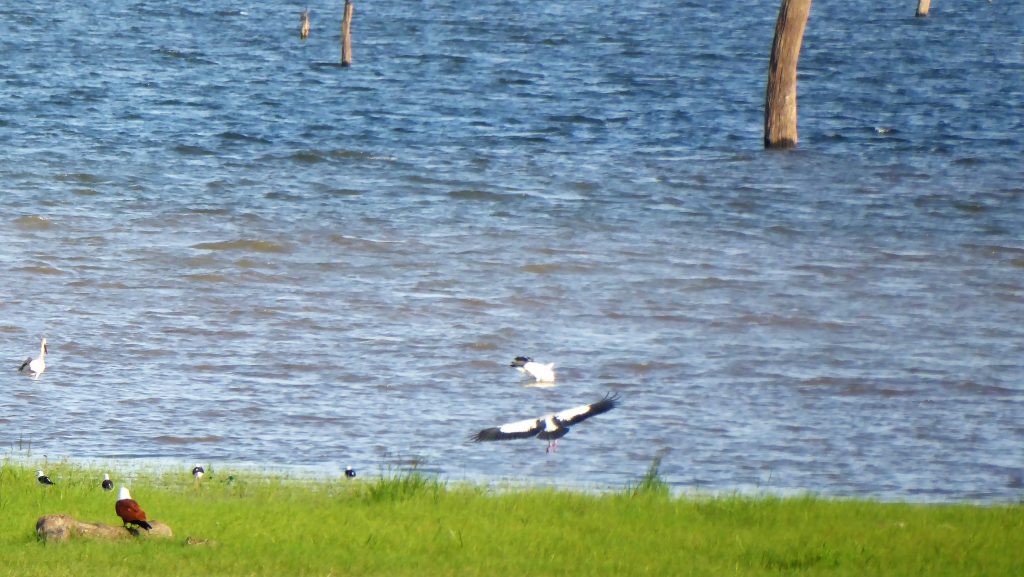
27, 362
577, 414
516, 430
541, 372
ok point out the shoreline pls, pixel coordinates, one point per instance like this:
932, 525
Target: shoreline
409, 524
310, 474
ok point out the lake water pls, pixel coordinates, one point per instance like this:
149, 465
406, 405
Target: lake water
244, 255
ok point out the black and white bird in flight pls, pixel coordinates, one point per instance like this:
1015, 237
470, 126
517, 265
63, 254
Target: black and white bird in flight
549, 427
541, 372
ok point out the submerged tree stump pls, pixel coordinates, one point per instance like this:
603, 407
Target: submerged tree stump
304, 24
780, 95
346, 34
60, 528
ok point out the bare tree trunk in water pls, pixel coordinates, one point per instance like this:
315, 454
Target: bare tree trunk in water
346, 35
780, 97
922, 8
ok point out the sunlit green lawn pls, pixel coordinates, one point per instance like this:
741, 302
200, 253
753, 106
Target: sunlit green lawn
408, 524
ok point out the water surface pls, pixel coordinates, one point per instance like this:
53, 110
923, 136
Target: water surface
245, 255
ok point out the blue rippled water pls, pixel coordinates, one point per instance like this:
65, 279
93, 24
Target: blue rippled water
244, 255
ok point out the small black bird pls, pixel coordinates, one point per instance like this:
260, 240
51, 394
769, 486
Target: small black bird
42, 478
350, 472
107, 484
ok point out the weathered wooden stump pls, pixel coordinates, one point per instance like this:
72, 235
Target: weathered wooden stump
780, 94
304, 24
346, 34
60, 528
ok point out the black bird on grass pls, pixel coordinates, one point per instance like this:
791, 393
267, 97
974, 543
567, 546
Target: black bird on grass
549, 427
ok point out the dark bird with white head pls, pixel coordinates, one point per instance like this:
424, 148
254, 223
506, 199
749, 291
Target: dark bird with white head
129, 510
549, 427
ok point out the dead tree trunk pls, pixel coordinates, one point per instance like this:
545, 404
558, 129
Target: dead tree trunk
57, 528
922, 8
346, 35
780, 96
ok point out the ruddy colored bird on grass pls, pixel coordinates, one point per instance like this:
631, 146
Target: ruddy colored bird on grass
37, 365
549, 427
129, 511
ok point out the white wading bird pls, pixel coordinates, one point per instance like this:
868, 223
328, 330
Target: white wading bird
549, 427
37, 365
542, 373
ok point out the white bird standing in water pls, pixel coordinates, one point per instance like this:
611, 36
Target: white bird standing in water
37, 365
542, 373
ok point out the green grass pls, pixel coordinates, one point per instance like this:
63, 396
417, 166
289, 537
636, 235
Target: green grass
409, 524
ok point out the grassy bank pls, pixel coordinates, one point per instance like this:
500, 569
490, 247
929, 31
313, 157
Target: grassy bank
405, 524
